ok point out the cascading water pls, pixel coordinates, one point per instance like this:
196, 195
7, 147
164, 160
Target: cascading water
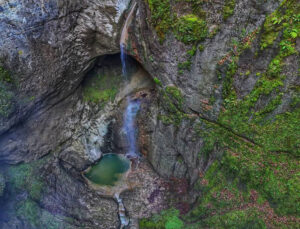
123, 39
129, 116
129, 127
124, 220
123, 60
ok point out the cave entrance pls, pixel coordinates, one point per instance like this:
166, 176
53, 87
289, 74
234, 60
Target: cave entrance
121, 102
106, 82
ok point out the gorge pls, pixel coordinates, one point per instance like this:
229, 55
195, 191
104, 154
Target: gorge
149, 114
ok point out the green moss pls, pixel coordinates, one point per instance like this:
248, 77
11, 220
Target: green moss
157, 81
29, 210
190, 29
6, 94
186, 65
161, 16
201, 48
246, 167
172, 104
24, 177
5, 76
168, 219
285, 19
37, 217
228, 9
101, 88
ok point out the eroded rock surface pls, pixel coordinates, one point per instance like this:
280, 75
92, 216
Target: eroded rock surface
193, 122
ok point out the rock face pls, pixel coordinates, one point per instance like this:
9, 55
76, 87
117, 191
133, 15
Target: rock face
221, 95
50, 46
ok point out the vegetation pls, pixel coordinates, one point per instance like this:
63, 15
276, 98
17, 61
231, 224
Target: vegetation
101, 88
23, 177
286, 20
254, 182
228, 9
190, 29
157, 81
161, 16
6, 95
36, 217
172, 103
167, 219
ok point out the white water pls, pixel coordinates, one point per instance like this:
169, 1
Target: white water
129, 116
123, 218
123, 40
129, 127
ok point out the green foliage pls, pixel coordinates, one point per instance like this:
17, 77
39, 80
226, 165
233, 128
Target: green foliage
201, 48
260, 149
24, 177
287, 19
236, 219
172, 103
186, 65
101, 88
244, 167
161, 17
157, 81
5, 76
37, 217
168, 219
29, 210
243, 116
6, 95
228, 9
190, 28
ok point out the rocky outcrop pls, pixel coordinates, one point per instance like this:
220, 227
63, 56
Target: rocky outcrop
216, 92
50, 46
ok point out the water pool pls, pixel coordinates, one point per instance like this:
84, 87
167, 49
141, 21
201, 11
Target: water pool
108, 170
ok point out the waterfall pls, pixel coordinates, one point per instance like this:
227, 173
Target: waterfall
132, 108
123, 40
129, 126
123, 218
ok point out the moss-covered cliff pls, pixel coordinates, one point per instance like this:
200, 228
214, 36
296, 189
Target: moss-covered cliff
219, 123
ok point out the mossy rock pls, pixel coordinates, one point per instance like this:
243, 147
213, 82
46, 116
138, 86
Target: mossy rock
101, 88
24, 177
168, 219
2, 184
190, 28
6, 93
228, 9
36, 217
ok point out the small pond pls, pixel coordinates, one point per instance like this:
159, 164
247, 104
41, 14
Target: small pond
108, 170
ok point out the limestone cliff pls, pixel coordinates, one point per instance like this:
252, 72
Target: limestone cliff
218, 125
